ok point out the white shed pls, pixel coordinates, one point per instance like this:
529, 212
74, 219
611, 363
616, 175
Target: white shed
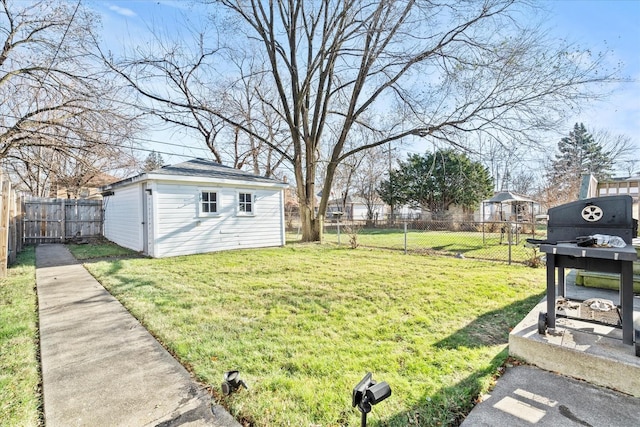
194, 207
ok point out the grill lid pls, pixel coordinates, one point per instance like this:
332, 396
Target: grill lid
611, 215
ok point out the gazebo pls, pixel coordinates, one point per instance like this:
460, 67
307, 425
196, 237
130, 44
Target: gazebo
512, 210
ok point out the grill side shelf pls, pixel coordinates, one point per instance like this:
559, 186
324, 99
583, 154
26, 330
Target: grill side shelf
627, 253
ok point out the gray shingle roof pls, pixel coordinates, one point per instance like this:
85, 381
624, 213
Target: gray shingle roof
209, 169
198, 168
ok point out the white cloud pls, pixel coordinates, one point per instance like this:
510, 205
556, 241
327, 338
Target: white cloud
122, 11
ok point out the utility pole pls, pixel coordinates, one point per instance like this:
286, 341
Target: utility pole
391, 214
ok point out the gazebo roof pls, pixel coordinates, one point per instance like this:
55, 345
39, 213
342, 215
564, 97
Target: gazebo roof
508, 197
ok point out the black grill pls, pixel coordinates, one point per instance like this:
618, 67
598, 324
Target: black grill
609, 215
568, 227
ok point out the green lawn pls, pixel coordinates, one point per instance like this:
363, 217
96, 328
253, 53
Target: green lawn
20, 399
304, 323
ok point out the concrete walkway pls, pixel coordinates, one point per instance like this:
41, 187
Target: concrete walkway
528, 396
100, 367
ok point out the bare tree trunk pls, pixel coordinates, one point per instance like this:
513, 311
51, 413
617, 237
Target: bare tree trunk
311, 223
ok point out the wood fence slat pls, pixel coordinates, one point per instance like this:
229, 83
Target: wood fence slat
5, 189
50, 220
19, 222
32, 220
13, 232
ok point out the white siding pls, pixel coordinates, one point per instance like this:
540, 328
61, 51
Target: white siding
123, 217
360, 211
180, 231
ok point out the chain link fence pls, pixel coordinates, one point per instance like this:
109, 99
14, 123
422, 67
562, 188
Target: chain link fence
497, 241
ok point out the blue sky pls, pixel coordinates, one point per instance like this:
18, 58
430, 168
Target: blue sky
600, 25
607, 25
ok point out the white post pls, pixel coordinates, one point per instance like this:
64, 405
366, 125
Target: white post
405, 237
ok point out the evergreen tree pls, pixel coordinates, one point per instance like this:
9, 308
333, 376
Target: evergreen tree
578, 154
153, 161
438, 180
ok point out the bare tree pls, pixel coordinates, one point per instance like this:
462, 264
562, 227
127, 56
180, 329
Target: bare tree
621, 149
55, 103
29, 172
344, 180
524, 181
176, 81
448, 67
41, 170
250, 97
359, 175
394, 69
373, 168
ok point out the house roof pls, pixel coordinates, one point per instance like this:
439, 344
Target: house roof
101, 179
351, 200
201, 167
197, 169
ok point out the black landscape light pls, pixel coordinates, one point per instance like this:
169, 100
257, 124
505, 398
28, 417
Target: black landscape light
232, 382
367, 393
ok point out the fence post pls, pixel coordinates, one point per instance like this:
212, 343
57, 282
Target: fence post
509, 237
5, 188
63, 223
405, 237
13, 232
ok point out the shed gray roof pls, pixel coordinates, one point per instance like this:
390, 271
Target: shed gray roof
209, 169
200, 168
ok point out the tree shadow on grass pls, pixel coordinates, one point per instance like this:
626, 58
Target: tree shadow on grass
124, 282
491, 328
369, 231
449, 406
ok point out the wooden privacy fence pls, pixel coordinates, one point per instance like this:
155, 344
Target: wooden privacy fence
58, 220
30, 220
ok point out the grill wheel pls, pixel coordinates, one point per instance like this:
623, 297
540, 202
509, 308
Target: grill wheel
542, 323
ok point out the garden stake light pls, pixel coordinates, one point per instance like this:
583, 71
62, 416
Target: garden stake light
367, 393
232, 382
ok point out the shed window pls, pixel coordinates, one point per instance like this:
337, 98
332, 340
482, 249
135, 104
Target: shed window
245, 203
209, 202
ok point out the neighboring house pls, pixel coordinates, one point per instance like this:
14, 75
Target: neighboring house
356, 209
194, 207
613, 187
89, 190
407, 213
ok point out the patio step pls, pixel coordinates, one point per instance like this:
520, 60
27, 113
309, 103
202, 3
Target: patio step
583, 350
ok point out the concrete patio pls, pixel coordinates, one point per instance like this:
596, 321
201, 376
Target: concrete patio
583, 350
